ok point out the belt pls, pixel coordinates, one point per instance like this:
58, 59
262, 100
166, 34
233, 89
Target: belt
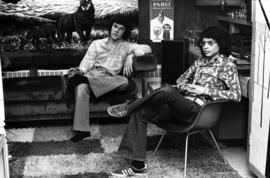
101, 68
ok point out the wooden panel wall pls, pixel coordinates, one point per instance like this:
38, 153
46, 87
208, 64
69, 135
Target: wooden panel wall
187, 15
183, 12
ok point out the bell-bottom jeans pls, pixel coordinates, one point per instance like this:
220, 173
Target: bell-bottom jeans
166, 104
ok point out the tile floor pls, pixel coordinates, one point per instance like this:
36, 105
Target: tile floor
237, 158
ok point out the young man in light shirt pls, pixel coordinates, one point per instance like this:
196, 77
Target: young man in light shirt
99, 72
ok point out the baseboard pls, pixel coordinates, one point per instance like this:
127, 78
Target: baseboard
234, 142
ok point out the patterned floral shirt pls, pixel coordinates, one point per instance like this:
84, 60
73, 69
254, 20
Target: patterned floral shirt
219, 76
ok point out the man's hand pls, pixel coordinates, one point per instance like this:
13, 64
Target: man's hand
127, 71
73, 71
182, 87
195, 89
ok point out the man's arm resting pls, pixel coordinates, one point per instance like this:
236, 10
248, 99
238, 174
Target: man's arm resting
127, 71
137, 53
140, 49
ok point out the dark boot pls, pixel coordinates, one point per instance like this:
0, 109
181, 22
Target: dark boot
80, 135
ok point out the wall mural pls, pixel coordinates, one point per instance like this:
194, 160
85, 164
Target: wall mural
42, 24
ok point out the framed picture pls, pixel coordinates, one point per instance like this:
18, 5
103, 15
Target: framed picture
161, 20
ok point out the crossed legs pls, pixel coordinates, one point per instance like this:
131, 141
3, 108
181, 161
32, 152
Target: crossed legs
166, 105
163, 105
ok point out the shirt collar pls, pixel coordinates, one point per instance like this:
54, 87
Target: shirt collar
106, 40
215, 61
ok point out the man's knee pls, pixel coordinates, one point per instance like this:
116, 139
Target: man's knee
82, 90
129, 86
167, 89
123, 87
140, 115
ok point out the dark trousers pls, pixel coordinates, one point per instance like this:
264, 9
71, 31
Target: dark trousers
163, 105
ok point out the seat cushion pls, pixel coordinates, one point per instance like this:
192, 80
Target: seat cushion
147, 62
174, 127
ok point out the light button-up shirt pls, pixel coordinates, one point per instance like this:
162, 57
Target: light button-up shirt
101, 54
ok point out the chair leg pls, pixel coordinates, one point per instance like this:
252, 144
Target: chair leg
186, 150
210, 132
160, 140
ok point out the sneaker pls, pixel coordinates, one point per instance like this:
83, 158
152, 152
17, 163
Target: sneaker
119, 110
80, 136
130, 171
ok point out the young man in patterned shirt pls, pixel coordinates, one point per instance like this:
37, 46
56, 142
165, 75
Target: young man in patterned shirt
211, 77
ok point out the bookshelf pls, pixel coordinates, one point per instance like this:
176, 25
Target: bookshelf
234, 21
235, 25
240, 30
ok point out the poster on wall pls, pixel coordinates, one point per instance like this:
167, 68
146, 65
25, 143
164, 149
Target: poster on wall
161, 20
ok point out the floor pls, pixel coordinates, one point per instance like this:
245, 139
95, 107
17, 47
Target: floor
237, 158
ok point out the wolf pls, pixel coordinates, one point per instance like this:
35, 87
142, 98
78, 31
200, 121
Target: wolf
81, 21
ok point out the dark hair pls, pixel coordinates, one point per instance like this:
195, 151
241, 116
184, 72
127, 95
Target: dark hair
221, 36
122, 20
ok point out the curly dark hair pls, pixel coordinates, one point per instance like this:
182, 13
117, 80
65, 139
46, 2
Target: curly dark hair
122, 20
220, 35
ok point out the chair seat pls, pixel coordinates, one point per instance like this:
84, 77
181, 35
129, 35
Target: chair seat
174, 127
